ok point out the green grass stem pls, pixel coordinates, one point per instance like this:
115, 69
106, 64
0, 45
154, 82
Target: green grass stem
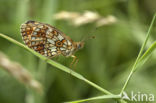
58, 65
139, 55
96, 98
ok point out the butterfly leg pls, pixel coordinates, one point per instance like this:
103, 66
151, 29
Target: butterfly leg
48, 58
52, 57
74, 61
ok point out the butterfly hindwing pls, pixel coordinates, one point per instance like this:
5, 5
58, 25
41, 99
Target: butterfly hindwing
46, 39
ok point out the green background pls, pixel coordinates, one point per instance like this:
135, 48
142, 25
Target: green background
105, 60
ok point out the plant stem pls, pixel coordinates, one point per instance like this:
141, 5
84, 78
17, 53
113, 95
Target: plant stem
148, 51
58, 65
139, 55
96, 98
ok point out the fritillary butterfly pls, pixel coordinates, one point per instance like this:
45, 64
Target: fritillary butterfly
47, 40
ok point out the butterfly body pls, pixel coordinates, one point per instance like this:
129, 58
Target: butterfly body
47, 40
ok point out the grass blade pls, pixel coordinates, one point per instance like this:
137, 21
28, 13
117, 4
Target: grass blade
59, 66
96, 98
148, 52
139, 55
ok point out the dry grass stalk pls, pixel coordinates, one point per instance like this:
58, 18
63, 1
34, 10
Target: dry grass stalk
20, 73
78, 19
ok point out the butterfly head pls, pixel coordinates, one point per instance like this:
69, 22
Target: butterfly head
79, 45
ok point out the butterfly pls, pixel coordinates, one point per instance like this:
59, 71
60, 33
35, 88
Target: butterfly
48, 40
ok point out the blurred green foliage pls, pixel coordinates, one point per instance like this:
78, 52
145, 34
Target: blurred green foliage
104, 60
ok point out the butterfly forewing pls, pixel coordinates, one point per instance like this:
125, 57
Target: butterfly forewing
46, 39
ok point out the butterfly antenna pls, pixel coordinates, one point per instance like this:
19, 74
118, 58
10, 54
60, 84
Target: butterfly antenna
89, 37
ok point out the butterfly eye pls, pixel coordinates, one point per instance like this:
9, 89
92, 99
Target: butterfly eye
80, 45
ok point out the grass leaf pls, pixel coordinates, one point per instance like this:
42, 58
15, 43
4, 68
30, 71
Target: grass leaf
96, 98
139, 55
58, 65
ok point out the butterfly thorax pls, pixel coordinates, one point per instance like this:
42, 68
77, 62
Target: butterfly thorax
75, 47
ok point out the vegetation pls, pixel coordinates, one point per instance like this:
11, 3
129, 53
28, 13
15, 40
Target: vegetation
106, 66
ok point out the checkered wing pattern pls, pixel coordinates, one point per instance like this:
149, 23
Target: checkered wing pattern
46, 39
